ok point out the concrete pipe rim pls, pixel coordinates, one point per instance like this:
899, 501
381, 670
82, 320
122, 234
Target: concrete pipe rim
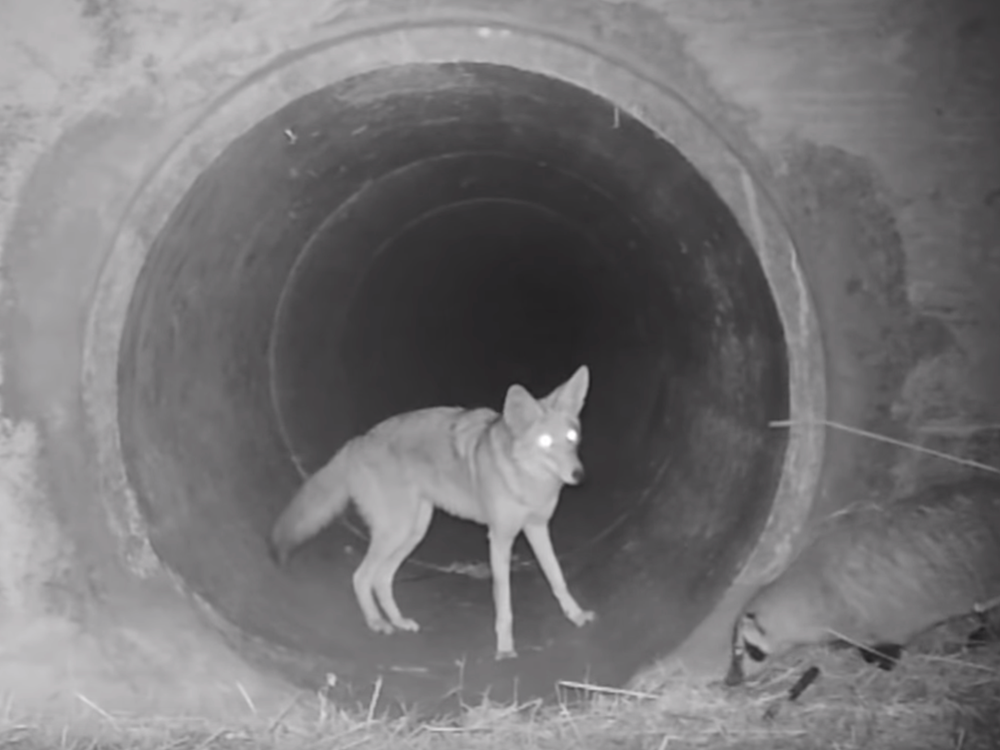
477, 39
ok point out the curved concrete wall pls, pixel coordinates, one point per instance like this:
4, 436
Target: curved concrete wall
862, 143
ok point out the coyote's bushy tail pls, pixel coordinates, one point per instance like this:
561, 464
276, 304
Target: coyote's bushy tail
322, 498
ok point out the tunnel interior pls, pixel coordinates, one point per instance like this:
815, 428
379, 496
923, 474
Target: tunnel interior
426, 235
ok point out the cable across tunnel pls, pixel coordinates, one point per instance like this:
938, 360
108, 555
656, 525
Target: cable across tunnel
424, 235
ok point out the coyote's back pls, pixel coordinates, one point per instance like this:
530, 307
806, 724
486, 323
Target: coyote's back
426, 449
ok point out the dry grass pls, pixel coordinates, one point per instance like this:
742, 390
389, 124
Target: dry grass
943, 697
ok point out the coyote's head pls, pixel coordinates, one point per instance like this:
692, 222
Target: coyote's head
547, 430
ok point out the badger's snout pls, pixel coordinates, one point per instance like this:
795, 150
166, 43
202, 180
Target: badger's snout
734, 676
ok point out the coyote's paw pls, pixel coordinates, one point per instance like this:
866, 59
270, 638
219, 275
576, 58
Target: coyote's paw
506, 654
581, 617
405, 623
380, 626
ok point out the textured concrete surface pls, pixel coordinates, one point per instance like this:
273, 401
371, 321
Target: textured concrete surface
877, 122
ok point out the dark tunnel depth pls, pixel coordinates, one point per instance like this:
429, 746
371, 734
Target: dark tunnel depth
427, 235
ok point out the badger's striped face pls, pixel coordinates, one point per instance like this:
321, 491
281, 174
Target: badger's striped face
750, 649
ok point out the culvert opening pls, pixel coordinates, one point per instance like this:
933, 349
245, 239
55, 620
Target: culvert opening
426, 235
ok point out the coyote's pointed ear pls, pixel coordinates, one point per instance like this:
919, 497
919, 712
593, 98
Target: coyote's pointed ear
520, 410
569, 397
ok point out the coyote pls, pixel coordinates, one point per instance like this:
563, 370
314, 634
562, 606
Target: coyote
504, 471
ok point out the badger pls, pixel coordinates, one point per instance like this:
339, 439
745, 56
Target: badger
875, 577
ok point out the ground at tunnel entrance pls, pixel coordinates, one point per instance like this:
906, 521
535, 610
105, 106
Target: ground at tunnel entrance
941, 696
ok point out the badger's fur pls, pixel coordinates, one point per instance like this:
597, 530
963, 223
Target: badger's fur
876, 577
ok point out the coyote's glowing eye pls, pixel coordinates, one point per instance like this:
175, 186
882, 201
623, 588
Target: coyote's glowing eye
545, 440
572, 435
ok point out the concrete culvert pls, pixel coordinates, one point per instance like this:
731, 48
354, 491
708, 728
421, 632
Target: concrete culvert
401, 212
426, 235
